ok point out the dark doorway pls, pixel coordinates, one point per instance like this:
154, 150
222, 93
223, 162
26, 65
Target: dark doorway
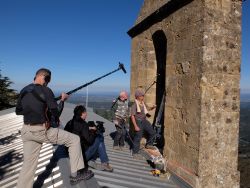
160, 45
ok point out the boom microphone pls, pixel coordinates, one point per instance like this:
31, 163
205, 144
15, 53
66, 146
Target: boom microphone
121, 66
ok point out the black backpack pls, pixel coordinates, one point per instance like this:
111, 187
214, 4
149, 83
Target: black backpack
29, 89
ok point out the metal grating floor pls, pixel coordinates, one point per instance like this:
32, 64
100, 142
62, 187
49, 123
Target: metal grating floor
128, 172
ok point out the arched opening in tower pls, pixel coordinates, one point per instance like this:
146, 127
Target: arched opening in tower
160, 45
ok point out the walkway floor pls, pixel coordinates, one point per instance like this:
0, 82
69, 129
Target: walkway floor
53, 167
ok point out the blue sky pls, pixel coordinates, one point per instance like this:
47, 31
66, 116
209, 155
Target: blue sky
79, 40
245, 55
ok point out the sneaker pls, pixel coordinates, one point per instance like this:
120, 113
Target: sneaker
122, 148
81, 175
125, 147
107, 167
94, 165
138, 156
116, 148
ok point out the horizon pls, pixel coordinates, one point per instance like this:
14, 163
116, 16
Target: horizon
244, 97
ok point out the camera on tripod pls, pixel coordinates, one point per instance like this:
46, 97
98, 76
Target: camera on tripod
99, 126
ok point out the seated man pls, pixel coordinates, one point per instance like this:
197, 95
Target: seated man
141, 125
92, 140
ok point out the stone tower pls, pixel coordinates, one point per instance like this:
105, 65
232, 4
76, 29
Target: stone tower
192, 49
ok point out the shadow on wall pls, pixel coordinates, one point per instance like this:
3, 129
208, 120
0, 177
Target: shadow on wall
160, 45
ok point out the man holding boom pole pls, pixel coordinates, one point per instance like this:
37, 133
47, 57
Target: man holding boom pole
34, 101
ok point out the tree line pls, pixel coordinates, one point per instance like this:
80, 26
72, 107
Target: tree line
8, 96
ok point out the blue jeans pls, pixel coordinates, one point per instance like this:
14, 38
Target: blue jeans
97, 149
145, 126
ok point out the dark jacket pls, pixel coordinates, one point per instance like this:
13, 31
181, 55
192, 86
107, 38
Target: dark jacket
33, 103
80, 127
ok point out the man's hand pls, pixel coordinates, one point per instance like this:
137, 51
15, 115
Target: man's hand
137, 128
115, 122
152, 107
92, 128
64, 96
135, 124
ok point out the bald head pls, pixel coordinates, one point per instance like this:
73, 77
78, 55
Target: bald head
43, 76
123, 95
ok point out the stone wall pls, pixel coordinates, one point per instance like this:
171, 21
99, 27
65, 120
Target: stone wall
149, 7
202, 85
183, 31
220, 94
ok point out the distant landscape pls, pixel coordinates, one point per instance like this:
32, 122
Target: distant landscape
245, 121
95, 100
102, 103
245, 97
244, 144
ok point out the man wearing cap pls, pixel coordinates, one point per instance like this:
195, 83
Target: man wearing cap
33, 103
139, 113
121, 115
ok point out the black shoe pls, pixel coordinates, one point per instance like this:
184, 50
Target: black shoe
81, 175
83, 170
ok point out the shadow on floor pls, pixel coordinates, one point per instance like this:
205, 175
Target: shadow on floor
59, 153
7, 160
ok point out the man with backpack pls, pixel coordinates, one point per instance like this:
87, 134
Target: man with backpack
34, 102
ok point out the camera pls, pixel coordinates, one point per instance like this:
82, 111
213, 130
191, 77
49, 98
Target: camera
99, 126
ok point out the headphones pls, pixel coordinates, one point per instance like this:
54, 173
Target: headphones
47, 78
46, 73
